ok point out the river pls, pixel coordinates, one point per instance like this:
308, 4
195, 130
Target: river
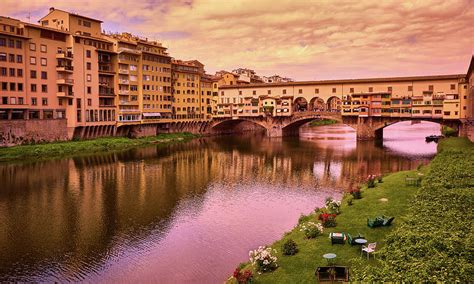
187, 212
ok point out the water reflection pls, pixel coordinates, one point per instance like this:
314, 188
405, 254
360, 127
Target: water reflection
186, 212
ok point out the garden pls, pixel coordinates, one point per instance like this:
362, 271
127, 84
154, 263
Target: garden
429, 240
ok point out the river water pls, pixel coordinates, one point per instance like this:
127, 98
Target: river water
187, 212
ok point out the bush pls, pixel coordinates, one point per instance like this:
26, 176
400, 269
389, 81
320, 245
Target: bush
263, 259
371, 181
327, 220
311, 229
448, 131
289, 247
356, 194
350, 199
243, 277
333, 207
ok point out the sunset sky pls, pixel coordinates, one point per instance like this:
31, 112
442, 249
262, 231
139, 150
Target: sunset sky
305, 40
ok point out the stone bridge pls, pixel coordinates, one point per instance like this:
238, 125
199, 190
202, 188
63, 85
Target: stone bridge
367, 128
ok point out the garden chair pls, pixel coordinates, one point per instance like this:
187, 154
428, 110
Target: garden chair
370, 248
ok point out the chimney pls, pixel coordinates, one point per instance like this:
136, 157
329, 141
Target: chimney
51, 9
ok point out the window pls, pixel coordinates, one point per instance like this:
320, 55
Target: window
33, 46
43, 61
333, 90
453, 87
33, 87
86, 24
21, 101
44, 75
33, 74
13, 101
32, 60
240, 92
4, 86
3, 56
389, 89
316, 91
430, 87
371, 89
284, 91
5, 100
89, 77
19, 72
19, 58
3, 71
18, 44
44, 88
11, 57
20, 87
34, 101
12, 87
351, 90
44, 101
300, 91
88, 66
88, 53
11, 43
410, 88
89, 102
43, 48
3, 42
89, 90
12, 72
269, 92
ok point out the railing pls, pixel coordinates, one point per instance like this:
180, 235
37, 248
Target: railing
122, 81
64, 54
64, 68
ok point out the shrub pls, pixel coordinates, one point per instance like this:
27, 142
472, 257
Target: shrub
289, 247
311, 229
328, 220
333, 206
243, 277
356, 194
448, 131
263, 260
371, 181
349, 200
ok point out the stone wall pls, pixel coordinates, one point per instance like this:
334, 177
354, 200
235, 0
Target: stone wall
17, 132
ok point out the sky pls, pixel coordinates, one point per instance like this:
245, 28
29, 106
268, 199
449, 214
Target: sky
304, 40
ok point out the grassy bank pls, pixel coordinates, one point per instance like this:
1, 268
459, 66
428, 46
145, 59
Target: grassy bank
432, 227
322, 122
69, 148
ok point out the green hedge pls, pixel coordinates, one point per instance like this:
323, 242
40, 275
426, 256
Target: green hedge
436, 240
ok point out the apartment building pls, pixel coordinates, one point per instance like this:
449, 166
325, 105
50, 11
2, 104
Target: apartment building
193, 91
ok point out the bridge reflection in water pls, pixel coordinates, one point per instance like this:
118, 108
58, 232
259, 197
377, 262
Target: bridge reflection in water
185, 212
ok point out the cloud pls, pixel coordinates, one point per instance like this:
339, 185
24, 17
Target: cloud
300, 39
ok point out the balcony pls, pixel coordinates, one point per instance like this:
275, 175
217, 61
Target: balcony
64, 94
123, 92
106, 68
64, 55
129, 103
124, 82
124, 71
65, 68
64, 81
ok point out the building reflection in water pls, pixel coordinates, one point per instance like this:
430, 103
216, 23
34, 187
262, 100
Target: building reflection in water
94, 217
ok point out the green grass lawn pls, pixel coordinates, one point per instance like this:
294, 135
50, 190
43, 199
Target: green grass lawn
69, 148
430, 239
300, 268
321, 122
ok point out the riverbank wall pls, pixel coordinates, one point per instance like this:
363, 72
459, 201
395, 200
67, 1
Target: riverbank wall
18, 132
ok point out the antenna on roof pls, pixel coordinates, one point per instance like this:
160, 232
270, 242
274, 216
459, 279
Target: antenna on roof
29, 17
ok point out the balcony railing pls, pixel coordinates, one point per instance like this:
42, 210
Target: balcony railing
64, 68
64, 54
124, 71
63, 81
122, 81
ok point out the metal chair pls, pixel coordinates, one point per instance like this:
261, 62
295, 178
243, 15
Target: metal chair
370, 248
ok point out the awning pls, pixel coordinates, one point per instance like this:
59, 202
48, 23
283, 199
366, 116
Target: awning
148, 114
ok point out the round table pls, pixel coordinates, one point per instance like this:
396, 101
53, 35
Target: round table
329, 257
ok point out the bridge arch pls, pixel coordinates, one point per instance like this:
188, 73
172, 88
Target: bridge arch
300, 104
316, 104
334, 104
239, 125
